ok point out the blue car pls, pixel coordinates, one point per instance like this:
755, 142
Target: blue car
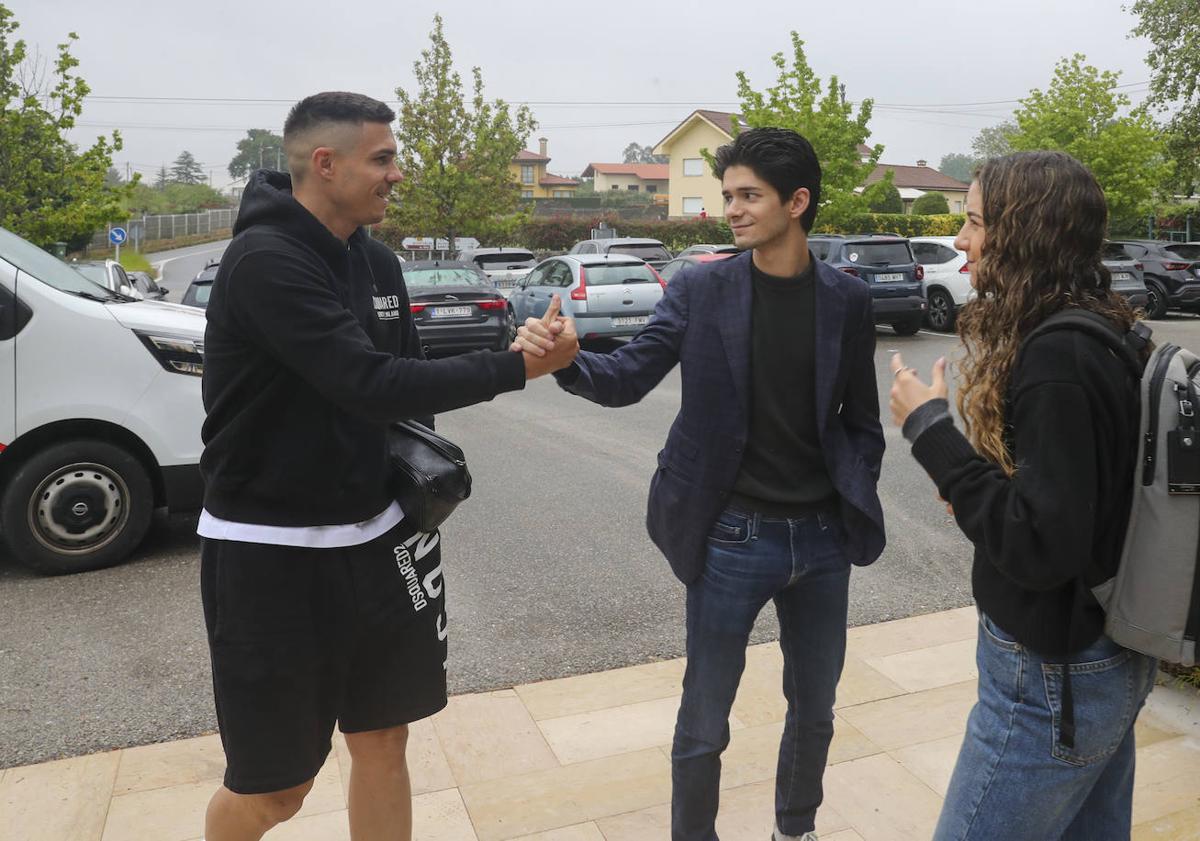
886, 263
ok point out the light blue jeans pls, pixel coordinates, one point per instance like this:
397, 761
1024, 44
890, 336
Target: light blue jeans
1014, 780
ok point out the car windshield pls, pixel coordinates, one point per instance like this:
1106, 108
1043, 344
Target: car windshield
615, 275
509, 259
93, 272
47, 268
878, 253
647, 251
442, 276
199, 293
1188, 251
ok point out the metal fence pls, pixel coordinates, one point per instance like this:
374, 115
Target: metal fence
171, 226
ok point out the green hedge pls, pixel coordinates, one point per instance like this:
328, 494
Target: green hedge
907, 225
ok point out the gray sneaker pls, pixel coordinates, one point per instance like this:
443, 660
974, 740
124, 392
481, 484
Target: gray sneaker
779, 836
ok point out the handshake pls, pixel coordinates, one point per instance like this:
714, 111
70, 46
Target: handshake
548, 343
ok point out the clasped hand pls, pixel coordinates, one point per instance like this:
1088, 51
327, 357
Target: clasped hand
549, 343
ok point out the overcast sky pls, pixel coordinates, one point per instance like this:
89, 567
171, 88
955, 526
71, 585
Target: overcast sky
596, 74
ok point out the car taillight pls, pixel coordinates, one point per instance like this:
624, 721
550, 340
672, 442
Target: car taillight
849, 270
920, 272
579, 293
416, 308
657, 276
495, 304
965, 269
1176, 267
1140, 266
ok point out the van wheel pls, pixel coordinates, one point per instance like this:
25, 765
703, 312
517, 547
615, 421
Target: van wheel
76, 506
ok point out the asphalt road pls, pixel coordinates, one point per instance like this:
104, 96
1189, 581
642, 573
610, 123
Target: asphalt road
549, 571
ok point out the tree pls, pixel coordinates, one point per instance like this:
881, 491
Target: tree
1079, 114
455, 155
1173, 27
882, 196
174, 198
637, 154
930, 203
49, 190
826, 119
185, 170
259, 149
994, 141
959, 166
162, 178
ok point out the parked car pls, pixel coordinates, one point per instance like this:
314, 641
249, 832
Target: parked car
198, 290
1172, 282
684, 259
1185, 250
650, 250
456, 308
1128, 278
102, 421
110, 274
145, 284
608, 295
708, 248
947, 280
886, 263
504, 266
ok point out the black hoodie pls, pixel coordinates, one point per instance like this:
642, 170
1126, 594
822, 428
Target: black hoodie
310, 351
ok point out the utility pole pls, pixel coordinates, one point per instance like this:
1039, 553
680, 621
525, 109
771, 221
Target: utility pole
278, 160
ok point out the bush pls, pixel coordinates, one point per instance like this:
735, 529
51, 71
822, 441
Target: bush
940, 225
930, 204
883, 197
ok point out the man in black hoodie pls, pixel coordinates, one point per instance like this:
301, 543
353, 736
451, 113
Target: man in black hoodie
323, 604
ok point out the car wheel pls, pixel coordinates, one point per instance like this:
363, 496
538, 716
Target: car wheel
510, 329
1156, 300
907, 328
76, 506
941, 311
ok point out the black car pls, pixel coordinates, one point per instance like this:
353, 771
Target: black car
886, 263
145, 284
456, 308
1172, 281
1128, 276
200, 287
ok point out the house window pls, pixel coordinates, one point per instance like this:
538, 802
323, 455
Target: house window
526, 174
562, 194
633, 188
958, 207
692, 205
651, 188
527, 194
615, 187
693, 166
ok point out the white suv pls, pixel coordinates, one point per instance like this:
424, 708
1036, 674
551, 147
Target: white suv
100, 422
947, 280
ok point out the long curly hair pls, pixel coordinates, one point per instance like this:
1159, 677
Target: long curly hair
1044, 221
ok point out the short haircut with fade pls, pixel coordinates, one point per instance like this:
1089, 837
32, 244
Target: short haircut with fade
781, 157
330, 108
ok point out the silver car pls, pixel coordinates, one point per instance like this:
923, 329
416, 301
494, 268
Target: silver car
607, 294
111, 275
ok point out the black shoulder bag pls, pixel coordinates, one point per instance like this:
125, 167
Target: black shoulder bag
429, 475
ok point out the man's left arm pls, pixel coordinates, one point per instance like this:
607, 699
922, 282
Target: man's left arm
410, 339
860, 400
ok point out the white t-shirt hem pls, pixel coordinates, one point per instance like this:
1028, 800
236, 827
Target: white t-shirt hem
309, 537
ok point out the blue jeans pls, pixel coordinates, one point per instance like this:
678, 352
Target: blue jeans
1014, 779
799, 563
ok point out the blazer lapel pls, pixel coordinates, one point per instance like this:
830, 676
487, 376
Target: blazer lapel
830, 313
734, 321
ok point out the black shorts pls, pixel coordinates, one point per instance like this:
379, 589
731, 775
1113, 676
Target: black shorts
302, 639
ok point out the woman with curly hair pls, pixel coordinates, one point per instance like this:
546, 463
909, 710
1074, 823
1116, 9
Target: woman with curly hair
1041, 484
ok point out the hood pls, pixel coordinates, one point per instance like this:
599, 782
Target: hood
268, 200
157, 316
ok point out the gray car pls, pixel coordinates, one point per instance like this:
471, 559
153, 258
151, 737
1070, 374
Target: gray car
650, 250
110, 274
1128, 278
608, 295
708, 248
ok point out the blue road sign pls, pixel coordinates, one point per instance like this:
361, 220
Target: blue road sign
117, 236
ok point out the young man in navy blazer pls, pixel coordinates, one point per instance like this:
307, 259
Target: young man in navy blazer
766, 488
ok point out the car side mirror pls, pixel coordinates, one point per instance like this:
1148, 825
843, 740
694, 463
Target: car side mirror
164, 290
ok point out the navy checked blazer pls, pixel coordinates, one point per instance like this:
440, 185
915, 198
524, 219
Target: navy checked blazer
703, 323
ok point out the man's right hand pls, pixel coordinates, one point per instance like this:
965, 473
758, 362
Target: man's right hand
548, 343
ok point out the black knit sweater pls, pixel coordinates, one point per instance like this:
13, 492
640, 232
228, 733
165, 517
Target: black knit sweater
1055, 528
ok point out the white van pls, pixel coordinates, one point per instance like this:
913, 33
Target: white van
100, 413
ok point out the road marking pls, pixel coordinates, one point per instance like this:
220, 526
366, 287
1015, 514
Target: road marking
159, 265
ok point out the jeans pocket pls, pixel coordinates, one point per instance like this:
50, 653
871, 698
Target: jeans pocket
997, 636
1105, 694
730, 529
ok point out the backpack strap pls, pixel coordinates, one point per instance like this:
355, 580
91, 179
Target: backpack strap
1131, 347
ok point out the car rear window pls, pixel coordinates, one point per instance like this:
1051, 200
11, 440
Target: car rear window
508, 258
200, 292
442, 277
1114, 251
1187, 252
819, 248
646, 252
610, 275
878, 253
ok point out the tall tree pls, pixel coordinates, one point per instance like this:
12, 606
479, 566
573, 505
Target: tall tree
635, 153
959, 166
49, 190
185, 170
1173, 27
1080, 113
454, 154
162, 178
994, 141
259, 149
828, 121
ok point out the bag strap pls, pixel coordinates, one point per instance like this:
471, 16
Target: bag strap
1131, 347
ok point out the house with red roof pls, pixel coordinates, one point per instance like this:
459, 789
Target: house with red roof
653, 179
529, 170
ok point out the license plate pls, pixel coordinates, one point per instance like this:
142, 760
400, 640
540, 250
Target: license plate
449, 312
1122, 276
888, 278
630, 320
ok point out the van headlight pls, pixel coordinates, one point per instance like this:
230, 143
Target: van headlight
177, 354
